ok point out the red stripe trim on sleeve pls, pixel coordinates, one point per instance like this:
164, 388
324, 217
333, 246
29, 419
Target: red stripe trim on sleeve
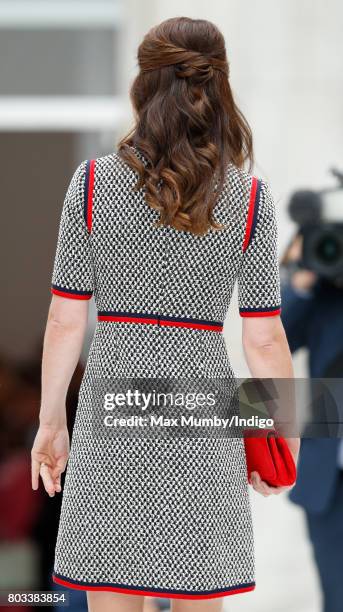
90, 191
69, 294
250, 213
260, 313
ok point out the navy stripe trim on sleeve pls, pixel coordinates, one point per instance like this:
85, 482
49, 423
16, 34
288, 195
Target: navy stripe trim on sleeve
72, 293
260, 312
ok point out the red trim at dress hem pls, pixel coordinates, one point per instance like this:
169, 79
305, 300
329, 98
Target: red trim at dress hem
261, 313
146, 592
73, 296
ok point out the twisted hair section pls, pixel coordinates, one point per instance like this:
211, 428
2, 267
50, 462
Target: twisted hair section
187, 63
187, 124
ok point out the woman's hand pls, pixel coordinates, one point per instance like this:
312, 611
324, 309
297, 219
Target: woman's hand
262, 487
49, 457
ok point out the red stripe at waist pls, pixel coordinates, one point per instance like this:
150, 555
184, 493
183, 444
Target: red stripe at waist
163, 320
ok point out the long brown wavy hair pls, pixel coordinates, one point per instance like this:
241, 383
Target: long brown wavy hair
187, 125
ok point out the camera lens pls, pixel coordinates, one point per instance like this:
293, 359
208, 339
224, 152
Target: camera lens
328, 249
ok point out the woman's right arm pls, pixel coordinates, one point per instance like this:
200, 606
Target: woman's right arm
268, 356
259, 294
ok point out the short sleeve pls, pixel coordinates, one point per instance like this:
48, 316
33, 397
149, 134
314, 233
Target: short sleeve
72, 275
259, 292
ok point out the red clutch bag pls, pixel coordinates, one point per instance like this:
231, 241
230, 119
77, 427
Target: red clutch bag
269, 455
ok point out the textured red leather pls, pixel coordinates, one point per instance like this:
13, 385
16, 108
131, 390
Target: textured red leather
269, 455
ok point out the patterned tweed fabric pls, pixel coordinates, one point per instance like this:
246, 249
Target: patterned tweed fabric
166, 515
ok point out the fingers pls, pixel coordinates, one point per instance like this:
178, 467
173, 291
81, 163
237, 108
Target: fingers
35, 466
48, 481
56, 476
263, 488
58, 487
58, 471
50, 474
49, 457
259, 485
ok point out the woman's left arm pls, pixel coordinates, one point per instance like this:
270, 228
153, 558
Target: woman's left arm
72, 287
63, 340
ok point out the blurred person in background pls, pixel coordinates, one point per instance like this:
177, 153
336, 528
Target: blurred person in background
28, 521
312, 316
144, 515
19, 509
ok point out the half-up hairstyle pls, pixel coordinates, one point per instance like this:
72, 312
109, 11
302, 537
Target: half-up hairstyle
188, 127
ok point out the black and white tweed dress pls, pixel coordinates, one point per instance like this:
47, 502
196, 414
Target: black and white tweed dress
165, 516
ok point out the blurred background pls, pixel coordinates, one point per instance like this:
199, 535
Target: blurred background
65, 72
